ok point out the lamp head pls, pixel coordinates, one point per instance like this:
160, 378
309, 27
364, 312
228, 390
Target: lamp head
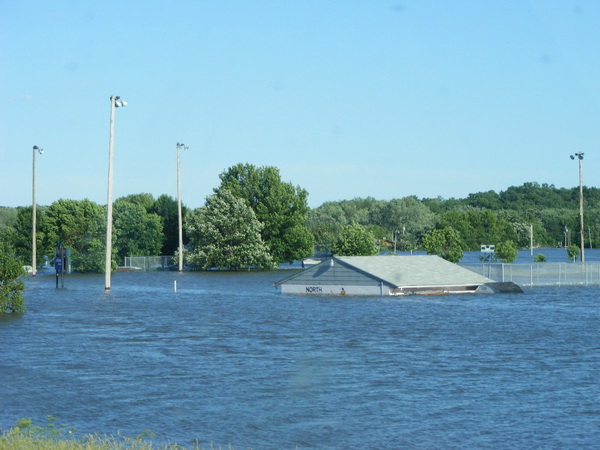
182, 145
40, 150
572, 157
119, 102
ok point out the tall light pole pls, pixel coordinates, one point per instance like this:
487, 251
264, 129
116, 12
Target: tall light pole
579, 156
115, 102
34, 217
179, 147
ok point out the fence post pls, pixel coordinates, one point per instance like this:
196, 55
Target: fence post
559, 270
531, 275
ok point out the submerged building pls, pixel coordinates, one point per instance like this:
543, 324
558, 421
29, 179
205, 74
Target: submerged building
389, 275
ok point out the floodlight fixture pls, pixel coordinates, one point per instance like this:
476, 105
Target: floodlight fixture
119, 102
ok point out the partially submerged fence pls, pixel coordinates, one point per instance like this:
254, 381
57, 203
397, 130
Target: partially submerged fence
147, 263
540, 274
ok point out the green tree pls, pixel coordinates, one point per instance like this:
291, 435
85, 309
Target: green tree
225, 234
444, 242
488, 200
145, 200
406, 218
137, 232
11, 287
165, 207
80, 225
355, 240
478, 226
326, 221
573, 252
8, 217
20, 234
280, 207
507, 251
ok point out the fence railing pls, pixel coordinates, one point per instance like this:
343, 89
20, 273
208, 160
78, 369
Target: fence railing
147, 263
540, 274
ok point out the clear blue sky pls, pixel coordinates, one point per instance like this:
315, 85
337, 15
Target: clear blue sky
348, 98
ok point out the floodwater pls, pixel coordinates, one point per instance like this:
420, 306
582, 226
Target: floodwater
227, 359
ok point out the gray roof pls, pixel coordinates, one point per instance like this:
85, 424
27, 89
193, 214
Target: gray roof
394, 271
415, 270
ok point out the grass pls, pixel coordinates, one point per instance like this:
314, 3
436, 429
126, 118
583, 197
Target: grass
26, 435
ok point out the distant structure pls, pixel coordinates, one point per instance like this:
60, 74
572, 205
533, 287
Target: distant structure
389, 275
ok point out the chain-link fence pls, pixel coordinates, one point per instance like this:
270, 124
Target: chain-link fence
146, 263
540, 274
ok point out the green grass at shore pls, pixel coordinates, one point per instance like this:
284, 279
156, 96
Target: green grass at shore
25, 435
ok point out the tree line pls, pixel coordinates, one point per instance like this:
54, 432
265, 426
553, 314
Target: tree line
254, 219
551, 213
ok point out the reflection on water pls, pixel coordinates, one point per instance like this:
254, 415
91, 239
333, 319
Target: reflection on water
227, 359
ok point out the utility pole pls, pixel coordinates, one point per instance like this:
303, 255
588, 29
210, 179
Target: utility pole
115, 102
179, 147
34, 217
579, 156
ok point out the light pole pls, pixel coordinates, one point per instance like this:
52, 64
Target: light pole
179, 147
579, 156
34, 217
115, 102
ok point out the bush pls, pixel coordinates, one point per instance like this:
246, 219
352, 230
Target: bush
540, 258
573, 252
507, 251
445, 242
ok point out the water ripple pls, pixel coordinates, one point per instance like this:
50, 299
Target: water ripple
227, 359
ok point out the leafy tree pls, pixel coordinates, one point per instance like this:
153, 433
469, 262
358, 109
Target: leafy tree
488, 200
11, 299
440, 205
80, 225
225, 234
144, 200
355, 240
8, 217
540, 257
445, 242
478, 226
406, 217
20, 234
137, 233
165, 207
325, 223
534, 195
280, 207
384, 218
555, 222
507, 251
345, 212
573, 252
